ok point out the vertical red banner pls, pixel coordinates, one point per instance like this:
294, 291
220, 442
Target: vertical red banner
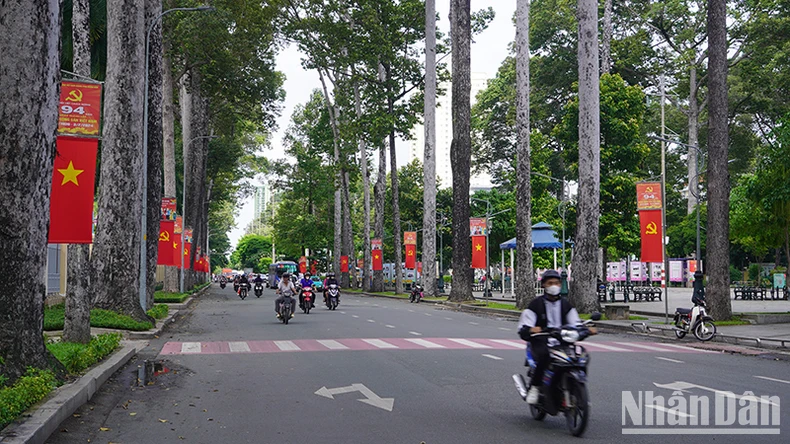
165, 256
312, 267
479, 252
71, 201
650, 230
302, 265
344, 264
411, 256
187, 253
177, 252
378, 260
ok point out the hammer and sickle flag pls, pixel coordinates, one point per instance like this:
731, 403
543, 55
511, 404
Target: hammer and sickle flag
411, 256
344, 264
651, 233
165, 250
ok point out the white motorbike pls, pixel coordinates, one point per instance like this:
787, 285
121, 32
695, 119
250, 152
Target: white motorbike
695, 320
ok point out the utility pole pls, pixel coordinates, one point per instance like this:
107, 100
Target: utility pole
665, 266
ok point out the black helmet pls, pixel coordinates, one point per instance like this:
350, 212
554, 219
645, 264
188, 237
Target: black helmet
548, 274
287, 275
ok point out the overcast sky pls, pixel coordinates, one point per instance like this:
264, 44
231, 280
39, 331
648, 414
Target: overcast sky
488, 51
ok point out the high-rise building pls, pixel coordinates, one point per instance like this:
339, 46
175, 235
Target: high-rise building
263, 196
444, 134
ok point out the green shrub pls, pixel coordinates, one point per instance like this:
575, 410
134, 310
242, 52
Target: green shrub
447, 279
54, 318
754, 272
735, 274
170, 298
159, 286
159, 311
77, 357
31, 388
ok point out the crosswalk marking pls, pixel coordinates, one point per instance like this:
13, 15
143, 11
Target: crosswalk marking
468, 343
287, 346
190, 347
598, 345
510, 343
425, 343
378, 343
332, 344
239, 347
646, 347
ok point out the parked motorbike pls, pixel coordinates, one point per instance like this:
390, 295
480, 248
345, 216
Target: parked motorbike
258, 289
564, 387
416, 294
307, 299
695, 320
243, 291
285, 311
333, 296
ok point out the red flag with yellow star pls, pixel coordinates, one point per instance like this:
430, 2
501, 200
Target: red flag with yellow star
478, 252
378, 260
344, 264
71, 201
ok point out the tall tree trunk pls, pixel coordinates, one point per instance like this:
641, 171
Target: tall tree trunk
718, 233
152, 10
30, 45
525, 278
348, 232
185, 100
169, 151
693, 124
338, 244
363, 162
585, 257
461, 148
380, 190
77, 323
396, 227
606, 44
195, 180
116, 254
429, 273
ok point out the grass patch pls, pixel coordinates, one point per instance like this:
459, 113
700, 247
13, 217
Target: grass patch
54, 319
487, 304
31, 388
78, 357
159, 311
586, 316
160, 297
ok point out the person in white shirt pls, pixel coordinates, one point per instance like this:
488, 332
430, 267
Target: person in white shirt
285, 289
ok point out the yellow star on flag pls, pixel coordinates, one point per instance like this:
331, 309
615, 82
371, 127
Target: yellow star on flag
376, 256
479, 247
70, 174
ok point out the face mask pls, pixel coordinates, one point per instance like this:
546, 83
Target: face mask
552, 290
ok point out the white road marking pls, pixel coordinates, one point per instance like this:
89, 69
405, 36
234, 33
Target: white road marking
683, 347
354, 316
427, 314
424, 343
332, 344
468, 343
389, 326
669, 360
510, 343
643, 346
595, 345
286, 345
190, 347
342, 312
411, 311
449, 319
475, 323
379, 343
371, 320
239, 347
495, 358
504, 329
772, 379
415, 333
675, 412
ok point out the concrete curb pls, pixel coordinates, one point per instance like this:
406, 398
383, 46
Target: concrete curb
453, 305
44, 419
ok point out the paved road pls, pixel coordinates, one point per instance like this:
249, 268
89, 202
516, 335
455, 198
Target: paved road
233, 374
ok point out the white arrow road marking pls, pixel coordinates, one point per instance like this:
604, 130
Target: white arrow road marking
684, 386
424, 343
332, 344
370, 397
239, 347
468, 343
379, 343
190, 347
772, 379
669, 360
287, 346
495, 358
670, 411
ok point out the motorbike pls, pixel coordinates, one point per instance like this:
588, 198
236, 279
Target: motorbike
564, 387
222, 285
235, 287
695, 320
243, 291
416, 294
307, 299
258, 289
333, 295
285, 311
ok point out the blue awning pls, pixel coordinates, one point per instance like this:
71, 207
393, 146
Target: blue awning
543, 238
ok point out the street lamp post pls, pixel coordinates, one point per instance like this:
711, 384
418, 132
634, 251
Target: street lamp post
184, 205
143, 255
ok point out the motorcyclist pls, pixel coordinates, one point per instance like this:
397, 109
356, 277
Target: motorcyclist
330, 280
546, 312
305, 282
285, 289
243, 282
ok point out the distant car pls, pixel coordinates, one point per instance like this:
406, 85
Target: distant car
319, 284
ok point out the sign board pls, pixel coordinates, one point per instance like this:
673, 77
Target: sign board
648, 196
477, 226
780, 280
79, 113
675, 271
179, 227
409, 238
168, 209
637, 272
375, 244
188, 236
655, 272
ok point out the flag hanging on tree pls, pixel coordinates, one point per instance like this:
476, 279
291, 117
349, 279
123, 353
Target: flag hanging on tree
303, 265
344, 264
71, 201
376, 254
650, 228
166, 237
410, 241
478, 252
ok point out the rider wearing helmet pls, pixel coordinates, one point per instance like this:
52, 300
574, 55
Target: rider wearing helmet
330, 280
549, 311
285, 289
305, 282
